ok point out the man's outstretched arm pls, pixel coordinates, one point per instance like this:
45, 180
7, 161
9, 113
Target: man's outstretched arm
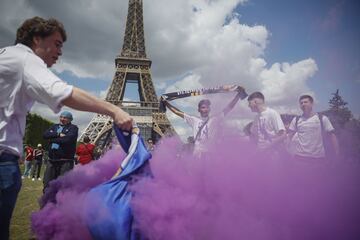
83, 101
174, 109
231, 105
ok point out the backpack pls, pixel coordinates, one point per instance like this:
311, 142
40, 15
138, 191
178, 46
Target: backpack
329, 150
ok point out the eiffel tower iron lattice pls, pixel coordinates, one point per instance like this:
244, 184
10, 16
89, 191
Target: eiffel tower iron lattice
131, 65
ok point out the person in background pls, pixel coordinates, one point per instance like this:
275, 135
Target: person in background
85, 151
38, 161
62, 146
29, 157
150, 145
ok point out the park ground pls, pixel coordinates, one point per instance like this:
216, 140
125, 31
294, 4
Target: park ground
26, 204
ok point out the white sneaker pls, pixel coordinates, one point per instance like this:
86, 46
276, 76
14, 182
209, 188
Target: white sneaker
33, 179
39, 178
29, 177
22, 177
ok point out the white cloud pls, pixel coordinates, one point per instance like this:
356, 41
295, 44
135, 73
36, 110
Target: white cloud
284, 83
234, 53
96, 69
192, 44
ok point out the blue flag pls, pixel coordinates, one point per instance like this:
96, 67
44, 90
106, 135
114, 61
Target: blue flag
108, 211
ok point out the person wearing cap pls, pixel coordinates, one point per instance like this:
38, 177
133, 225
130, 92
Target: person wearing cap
62, 147
38, 161
24, 79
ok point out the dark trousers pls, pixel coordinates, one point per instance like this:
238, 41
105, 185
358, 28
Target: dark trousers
36, 169
10, 184
56, 168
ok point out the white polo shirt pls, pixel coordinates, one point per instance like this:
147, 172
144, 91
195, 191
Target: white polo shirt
307, 140
24, 79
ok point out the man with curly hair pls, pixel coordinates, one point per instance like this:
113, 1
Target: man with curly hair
24, 79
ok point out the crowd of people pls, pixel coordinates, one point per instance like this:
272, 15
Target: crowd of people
25, 78
302, 139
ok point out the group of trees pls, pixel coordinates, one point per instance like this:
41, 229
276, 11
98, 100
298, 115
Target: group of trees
35, 127
347, 127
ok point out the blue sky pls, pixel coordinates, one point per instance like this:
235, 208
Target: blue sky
326, 31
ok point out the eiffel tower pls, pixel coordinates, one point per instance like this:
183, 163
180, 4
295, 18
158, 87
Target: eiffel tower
132, 65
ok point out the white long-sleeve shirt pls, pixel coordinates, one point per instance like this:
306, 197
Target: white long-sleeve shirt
24, 79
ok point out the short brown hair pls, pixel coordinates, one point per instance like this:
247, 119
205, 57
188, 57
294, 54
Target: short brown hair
306, 96
204, 102
38, 26
256, 95
86, 139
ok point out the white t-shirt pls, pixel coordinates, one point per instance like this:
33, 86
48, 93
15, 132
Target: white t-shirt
207, 132
24, 79
307, 140
266, 126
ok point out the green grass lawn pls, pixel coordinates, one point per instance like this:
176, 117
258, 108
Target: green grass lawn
26, 204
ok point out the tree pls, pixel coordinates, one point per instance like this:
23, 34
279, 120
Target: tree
35, 127
347, 128
350, 140
338, 112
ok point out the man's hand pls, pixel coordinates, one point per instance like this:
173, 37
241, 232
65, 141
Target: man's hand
123, 120
163, 99
240, 89
241, 92
62, 135
230, 87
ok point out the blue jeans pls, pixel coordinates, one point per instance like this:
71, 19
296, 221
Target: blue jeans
28, 166
10, 184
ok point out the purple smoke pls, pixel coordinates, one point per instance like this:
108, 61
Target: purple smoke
61, 217
232, 193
